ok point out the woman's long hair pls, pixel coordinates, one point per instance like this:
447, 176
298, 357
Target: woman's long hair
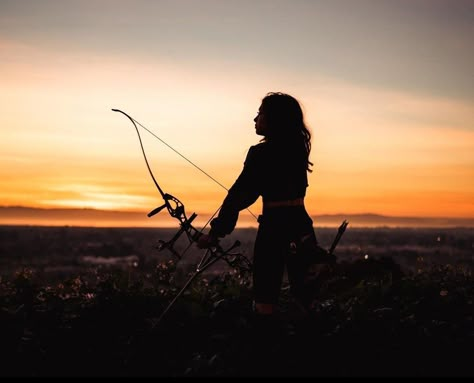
285, 121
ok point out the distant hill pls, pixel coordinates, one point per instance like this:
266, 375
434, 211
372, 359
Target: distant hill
20, 215
371, 220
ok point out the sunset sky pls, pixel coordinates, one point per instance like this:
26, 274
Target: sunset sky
387, 87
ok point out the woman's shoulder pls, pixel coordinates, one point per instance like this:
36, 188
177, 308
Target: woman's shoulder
257, 152
260, 149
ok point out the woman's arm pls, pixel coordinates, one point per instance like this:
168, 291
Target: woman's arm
243, 193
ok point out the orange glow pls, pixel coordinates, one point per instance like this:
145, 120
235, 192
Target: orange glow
374, 150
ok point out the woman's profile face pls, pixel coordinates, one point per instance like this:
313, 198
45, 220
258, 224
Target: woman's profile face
260, 123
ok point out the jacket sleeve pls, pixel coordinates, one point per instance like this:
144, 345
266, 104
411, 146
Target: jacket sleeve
243, 193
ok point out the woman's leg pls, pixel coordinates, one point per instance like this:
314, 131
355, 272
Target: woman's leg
298, 264
268, 269
300, 257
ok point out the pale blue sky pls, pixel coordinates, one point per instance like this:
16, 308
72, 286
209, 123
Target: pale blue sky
411, 45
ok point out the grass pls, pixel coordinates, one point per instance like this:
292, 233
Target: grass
367, 318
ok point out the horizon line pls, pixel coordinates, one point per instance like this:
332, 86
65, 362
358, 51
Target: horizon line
91, 217
131, 212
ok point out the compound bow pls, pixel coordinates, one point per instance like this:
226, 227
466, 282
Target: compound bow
176, 210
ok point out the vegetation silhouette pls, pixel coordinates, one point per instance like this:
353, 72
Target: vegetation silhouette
368, 317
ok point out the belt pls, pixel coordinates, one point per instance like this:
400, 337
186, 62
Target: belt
291, 202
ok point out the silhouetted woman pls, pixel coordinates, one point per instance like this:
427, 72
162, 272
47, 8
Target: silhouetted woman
275, 169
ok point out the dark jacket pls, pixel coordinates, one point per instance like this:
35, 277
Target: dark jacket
273, 171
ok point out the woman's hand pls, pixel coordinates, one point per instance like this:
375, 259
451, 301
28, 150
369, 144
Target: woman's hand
206, 241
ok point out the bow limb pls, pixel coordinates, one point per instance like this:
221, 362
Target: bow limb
144, 154
174, 206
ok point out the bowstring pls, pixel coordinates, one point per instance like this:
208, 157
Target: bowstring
193, 164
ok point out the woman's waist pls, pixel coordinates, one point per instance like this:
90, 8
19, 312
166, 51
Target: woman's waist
282, 203
286, 216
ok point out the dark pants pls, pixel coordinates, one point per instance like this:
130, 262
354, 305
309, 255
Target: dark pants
276, 247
